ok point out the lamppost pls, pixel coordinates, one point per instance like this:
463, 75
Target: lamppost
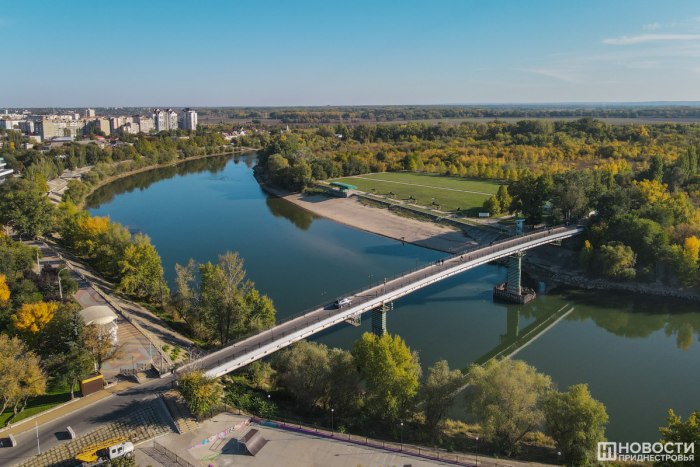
401, 436
477, 451
332, 423
60, 287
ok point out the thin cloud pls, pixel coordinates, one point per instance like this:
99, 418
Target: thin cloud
643, 38
651, 26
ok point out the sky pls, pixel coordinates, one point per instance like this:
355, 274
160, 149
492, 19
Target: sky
289, 53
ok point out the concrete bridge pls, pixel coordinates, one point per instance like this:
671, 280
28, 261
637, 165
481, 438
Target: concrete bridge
376, 298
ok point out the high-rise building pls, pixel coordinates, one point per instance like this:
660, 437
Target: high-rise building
165, 120
146, 124
89, 113
103, 125
188, 120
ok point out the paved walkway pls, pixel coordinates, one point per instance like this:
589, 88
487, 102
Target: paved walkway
156, 332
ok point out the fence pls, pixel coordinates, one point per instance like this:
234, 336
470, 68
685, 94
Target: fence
171, 456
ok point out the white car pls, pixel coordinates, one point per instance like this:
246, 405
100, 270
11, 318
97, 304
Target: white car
341, 302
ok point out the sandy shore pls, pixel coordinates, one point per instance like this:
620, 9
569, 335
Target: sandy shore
351, 212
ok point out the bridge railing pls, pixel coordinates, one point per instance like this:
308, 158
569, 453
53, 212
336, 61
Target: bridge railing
390, 284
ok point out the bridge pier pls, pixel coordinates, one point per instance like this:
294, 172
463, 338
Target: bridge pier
512, 325
512, 291
379, 318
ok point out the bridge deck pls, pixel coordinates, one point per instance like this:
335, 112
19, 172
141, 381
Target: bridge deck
267, 342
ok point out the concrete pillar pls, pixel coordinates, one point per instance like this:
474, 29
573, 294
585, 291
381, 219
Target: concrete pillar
514, 273
379, 320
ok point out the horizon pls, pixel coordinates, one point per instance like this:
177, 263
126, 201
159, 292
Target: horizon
314, 54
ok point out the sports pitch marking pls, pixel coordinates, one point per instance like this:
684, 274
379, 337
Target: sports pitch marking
424, 186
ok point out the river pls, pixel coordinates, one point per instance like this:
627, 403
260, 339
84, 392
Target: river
640, 356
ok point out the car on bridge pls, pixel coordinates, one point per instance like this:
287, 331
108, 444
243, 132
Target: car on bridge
341, 302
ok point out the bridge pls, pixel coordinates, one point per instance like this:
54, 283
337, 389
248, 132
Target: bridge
377, 299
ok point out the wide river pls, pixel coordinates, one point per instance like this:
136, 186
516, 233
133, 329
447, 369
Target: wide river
640, 356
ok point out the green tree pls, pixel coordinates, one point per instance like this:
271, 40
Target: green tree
439, 391
617, 261
505, 398
576, 421
391, 373
26, 209
492, 206
304, 369
141, 270
504, 198
679, 431
202, 394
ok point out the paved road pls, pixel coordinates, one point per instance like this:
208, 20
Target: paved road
82, 421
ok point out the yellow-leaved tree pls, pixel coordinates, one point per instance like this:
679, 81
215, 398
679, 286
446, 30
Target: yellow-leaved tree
4, 290
32, 317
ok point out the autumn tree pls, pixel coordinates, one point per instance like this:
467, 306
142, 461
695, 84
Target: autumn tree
98, 341
32, 317
504, 199
141, 270
202, 394
617, 261
21, 376
4, 289
576, 421
391, 372
505, 399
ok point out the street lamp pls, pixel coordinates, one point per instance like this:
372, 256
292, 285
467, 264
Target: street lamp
401, 436
477, 451
60, 287
332, 423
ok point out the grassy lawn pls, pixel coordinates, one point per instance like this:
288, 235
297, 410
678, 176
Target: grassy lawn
451, 193
36, 405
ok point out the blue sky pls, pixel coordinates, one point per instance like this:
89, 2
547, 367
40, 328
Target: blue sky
208, 53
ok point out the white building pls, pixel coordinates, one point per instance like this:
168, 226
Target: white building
188, 121
104, 319
165, 120
89, 113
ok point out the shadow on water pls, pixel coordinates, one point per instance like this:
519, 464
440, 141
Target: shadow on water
283, 208
143, 180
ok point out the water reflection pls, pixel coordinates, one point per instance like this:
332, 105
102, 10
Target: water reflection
281, 208
143, 180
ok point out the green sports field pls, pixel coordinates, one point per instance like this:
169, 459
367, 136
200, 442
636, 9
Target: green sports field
451, 193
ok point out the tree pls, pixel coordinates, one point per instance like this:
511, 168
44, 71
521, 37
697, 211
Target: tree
62, 348
202, 394
141, 270
4, 290
617, 261
440, 388
26, 209
225, 305
679, 431
21, 376
576, 421
529, 195
304, 369
32, 317
98, 341
505, 398
391, 373
504, 198
492, 205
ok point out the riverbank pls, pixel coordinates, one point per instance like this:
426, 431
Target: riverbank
353, 213
548, 265
147, 168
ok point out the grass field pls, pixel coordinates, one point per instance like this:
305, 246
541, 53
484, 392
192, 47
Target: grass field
450, 193
36, 405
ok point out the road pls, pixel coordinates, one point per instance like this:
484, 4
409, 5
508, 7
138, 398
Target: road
82, 421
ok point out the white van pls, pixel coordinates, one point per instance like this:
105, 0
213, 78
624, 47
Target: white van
341, 302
